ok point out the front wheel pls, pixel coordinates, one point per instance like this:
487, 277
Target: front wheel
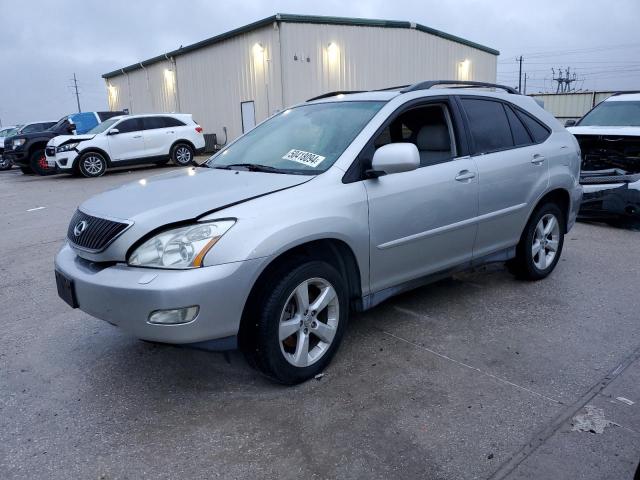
298, 328
5, 163
92, 164
541, 243
39, 164
182, 154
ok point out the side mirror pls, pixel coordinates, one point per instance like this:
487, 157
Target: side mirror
394, 158
71, 128
570, 123
114, 131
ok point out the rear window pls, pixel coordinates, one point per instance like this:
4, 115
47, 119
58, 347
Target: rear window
521, 136
488, 124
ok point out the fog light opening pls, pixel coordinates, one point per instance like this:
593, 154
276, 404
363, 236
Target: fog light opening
174, 316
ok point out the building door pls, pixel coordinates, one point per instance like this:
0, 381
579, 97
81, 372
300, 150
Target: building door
248, 110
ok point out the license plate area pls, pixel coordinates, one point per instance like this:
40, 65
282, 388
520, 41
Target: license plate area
66, 289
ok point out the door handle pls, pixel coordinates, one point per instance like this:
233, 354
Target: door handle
137, 136
537, 159
465, 176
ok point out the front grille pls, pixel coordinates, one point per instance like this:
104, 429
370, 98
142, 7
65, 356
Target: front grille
50, 151
96, 234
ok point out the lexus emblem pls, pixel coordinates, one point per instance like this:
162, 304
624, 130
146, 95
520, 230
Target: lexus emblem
80, 227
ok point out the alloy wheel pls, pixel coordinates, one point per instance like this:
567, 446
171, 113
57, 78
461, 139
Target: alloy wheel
309, 322
92, 165
183, 155
545, 241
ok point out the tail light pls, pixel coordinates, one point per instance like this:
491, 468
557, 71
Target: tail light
199, 129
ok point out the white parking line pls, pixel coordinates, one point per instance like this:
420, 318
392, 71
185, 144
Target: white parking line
36, 208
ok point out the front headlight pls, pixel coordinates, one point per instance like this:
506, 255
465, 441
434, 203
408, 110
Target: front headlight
66, 147
18, 142
180, 248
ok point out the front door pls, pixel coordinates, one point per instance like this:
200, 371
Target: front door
128, 143
422, 221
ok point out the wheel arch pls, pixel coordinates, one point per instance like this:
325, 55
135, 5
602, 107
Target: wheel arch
182, 140
560, 197
89, 150
332, 250
36, 145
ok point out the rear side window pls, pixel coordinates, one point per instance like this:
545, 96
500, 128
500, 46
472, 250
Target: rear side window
172, 122
488, 124
521, 136
151, 123
129, 125
538, 131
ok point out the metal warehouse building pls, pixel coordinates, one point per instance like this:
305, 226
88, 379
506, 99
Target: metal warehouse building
234, 80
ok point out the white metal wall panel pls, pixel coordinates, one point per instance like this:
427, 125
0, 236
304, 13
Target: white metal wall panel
214, 80
148, 90
571, 105
371, 57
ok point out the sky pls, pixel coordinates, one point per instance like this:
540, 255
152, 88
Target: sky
598, 39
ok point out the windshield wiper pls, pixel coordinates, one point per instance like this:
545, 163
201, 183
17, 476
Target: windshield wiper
252, 167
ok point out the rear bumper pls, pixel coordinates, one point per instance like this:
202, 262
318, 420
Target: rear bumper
611, 201
125, 296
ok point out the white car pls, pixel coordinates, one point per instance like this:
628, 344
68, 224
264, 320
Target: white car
128, 140
609, 138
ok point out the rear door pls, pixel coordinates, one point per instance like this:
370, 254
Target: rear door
128, 143
159, 134
512, 169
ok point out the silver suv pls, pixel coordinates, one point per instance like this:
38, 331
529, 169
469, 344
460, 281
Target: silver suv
330, 206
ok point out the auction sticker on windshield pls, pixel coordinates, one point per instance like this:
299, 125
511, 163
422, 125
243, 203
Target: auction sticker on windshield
306, 158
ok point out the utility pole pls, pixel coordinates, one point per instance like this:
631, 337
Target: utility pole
520, 74
75, 86
525, 84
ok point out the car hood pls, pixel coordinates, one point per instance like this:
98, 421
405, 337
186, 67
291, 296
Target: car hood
60, 139
185, 194
604, 130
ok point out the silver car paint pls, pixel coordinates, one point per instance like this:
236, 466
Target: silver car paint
386, 222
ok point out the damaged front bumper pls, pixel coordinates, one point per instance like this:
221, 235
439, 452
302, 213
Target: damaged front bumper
610, 201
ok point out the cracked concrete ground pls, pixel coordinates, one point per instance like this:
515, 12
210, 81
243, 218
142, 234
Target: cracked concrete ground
478, 376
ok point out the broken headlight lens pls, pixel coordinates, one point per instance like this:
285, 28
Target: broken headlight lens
180, 248
66, 147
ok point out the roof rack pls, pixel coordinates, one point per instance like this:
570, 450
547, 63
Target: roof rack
462, 84
333, 94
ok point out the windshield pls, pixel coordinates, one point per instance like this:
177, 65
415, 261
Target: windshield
613, 114
60, 123
304, 140
104, 126
6, 132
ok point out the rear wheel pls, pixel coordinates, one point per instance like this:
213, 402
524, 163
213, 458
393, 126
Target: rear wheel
5, 164
541, 243
182, 154
39, 164
92, 164
298, 325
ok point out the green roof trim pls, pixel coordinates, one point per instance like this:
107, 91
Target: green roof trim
289, 18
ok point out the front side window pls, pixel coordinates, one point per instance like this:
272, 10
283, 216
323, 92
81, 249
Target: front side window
304, 140
488, 124
428, 128
614, 113
129, 125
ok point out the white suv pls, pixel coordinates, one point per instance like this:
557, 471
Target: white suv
127, 140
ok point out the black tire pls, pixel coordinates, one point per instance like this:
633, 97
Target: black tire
5, 163
528, 266
26, 170
39, 165
182, 154
261, 341
92, 164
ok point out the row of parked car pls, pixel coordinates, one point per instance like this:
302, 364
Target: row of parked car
89, 143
